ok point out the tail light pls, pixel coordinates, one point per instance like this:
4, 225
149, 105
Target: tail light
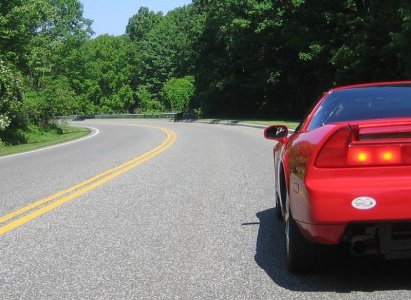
374, 155
341, 150
335, 150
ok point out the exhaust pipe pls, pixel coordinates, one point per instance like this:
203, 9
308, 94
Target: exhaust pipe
358, 246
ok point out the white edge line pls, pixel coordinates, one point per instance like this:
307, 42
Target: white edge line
96, 131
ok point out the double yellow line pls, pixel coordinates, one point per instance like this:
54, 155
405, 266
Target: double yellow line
39, 208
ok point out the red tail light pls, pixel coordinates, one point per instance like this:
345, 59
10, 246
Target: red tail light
334, 152
343, 150
374, 155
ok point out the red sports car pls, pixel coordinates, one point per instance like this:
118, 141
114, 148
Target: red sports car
344, 176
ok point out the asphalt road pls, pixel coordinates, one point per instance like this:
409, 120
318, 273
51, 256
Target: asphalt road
196, 221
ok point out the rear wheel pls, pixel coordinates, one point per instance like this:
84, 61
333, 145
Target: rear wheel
278, 212
302, 255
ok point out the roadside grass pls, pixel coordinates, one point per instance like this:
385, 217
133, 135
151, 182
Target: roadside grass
39, 139
291, 124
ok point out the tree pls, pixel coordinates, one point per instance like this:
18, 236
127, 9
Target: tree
402, 40
273, 58
237, 50
12, 115
57, 98
248, 57
142, 23
165, 50
103, 73
36, 37
32, 31
147, 103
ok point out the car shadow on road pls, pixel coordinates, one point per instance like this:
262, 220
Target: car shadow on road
343, 275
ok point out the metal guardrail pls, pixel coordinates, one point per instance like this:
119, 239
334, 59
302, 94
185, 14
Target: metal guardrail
119, 116
157, 116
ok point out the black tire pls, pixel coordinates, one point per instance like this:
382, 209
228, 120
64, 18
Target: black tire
278, 212
302, 255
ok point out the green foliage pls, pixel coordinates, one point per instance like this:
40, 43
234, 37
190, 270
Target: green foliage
55, 99
35, 32
147, 103
166, 49
237, 61
273, 58
249, 58
42, 137
35, 37
142, 23
12, 116
103, 73
178, 93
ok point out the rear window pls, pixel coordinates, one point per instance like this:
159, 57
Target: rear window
363, 104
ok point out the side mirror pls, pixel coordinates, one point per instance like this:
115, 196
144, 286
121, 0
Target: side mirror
276, 132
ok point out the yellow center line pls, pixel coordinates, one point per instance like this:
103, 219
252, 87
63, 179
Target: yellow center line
83, 187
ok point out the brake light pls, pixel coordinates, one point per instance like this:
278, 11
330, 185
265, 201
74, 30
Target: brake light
374, 155
342, 150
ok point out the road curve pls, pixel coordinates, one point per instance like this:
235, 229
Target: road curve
195, 221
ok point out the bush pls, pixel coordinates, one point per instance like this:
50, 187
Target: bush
178, 93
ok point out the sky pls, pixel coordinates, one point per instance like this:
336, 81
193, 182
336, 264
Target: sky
111, 16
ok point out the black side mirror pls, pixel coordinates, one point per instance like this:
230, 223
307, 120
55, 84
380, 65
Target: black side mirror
276, 132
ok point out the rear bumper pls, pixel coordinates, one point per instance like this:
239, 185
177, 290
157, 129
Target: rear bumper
324, 206
332, 200
392, 240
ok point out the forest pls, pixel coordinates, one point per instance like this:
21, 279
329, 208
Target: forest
219, 58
